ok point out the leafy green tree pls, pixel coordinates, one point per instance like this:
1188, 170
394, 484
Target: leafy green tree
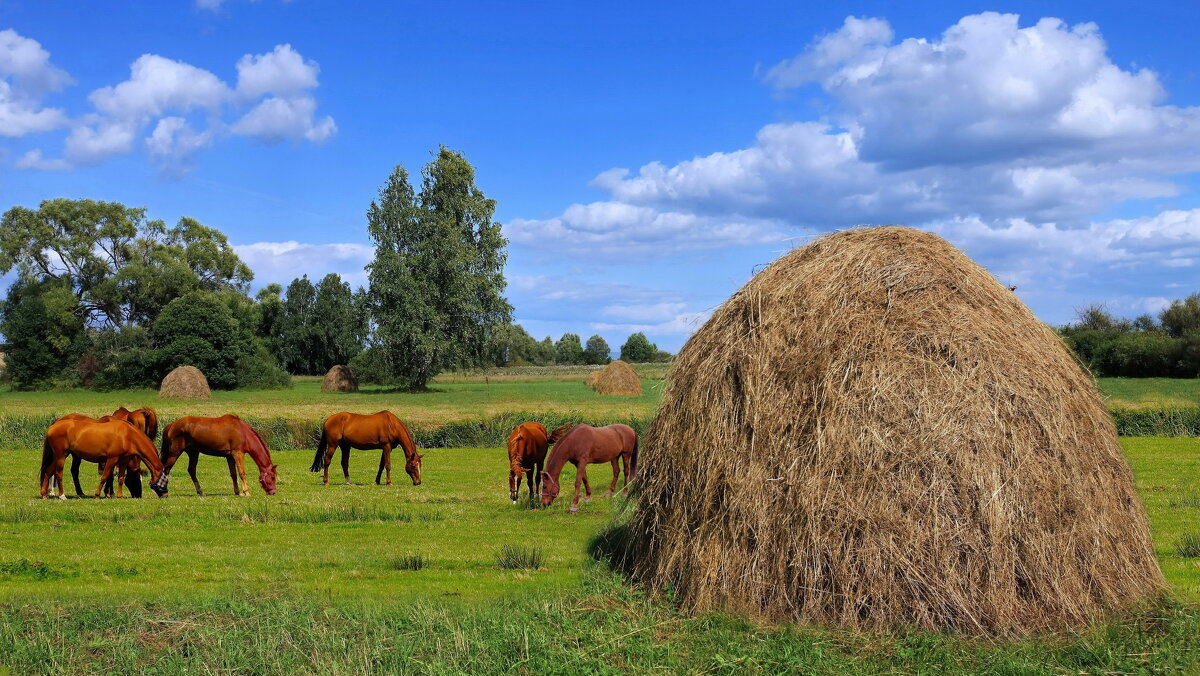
545, 352
42, 330
199, 330
339, 325
597, 351
638, 349
568, 349
438, 274
297, 339
1182, 316
270, 326
511, 345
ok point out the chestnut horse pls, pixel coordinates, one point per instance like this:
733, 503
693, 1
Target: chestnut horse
131, 465
527, 455
584, 445
381, 430
228, 437
144, 419
108, 442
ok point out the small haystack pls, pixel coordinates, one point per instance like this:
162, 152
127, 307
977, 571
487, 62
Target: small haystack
874, 432
185, 382
618, 378
339, 379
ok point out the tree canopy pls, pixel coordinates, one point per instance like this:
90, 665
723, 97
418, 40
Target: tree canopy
437, 279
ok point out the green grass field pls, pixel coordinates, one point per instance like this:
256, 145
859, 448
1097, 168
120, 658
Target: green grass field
310, 581
1151, 392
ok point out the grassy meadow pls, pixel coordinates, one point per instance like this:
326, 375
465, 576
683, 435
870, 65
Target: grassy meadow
450, 576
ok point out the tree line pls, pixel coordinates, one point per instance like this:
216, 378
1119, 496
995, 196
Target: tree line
105, 298
1166, 346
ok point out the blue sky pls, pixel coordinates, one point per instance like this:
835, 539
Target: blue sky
646, 158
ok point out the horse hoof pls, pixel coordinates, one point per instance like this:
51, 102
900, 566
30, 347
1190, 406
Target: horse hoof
62, 497
573, 510
608, 495
587, 500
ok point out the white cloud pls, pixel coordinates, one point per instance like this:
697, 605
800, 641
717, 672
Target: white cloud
284, 261
173, 143
210, 5
278, 119
281, 71
34, 160
272, 102
643, 313
682, 324
26, 75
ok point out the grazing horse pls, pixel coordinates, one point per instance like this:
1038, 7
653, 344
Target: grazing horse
527, 454
228, 437
130, 465
108, 442
144, 419
381, 430
584, 445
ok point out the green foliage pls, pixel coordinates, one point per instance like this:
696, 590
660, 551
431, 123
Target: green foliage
1182, 316
638, 349
568, 350
340, 317
438, 274
519, 557
1141, 348
42, 332
511, 345
1188, 546
297, 328
372, 367
1157, 421
597, 351
126, 357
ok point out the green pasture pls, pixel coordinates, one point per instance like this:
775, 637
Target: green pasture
309, 581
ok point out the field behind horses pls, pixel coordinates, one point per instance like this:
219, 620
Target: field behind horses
313, 580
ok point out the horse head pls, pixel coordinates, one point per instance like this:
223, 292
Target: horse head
549, 489
412, 465
267, 477
515, 474
159, 485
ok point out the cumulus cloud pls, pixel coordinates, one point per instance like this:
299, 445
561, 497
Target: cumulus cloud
183, 106
282, 261
26, 76
34, 160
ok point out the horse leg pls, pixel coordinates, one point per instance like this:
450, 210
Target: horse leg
233, 474
120, 479
346, 462
240, 459
529, 480
193, 460
582, 467
579, 476
75, 460
385, 461
329, 460
58, 470
109, 464
616, 474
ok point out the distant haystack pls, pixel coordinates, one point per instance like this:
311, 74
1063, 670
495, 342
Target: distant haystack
592, 377
618, 378
339, 379
875, 433
185, 382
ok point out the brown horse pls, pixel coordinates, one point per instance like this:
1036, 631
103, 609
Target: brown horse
228, 437
527, 454
131, 465
109, 442
381, 430
584, 445
144, 419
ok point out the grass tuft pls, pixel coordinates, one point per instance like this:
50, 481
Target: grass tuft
519, 557
33, 570
1185, 500
1188, 546
408, 562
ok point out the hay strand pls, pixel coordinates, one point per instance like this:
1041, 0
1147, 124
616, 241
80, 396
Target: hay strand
875, 433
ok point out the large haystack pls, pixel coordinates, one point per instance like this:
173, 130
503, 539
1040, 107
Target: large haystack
592, 377
618, 378
339, 379
185, 382
874, 432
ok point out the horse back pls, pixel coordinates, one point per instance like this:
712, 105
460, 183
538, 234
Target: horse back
527, 442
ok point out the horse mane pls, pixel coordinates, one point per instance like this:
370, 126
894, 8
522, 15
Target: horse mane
560, 432
151, 422
257, 437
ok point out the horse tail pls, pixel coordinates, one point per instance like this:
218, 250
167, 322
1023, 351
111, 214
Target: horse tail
166, 446
633, 460
318, 462
560, 432
47, 456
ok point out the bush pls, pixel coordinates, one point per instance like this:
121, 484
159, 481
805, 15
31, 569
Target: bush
371, 367
257, 370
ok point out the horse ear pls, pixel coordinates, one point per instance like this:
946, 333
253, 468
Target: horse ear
274, 466
420, 455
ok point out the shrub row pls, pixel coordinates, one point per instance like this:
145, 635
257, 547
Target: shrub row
26, 431
282, 434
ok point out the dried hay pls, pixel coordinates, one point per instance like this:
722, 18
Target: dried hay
185, 382
339, 379
875, 433
618, 378
592, 377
